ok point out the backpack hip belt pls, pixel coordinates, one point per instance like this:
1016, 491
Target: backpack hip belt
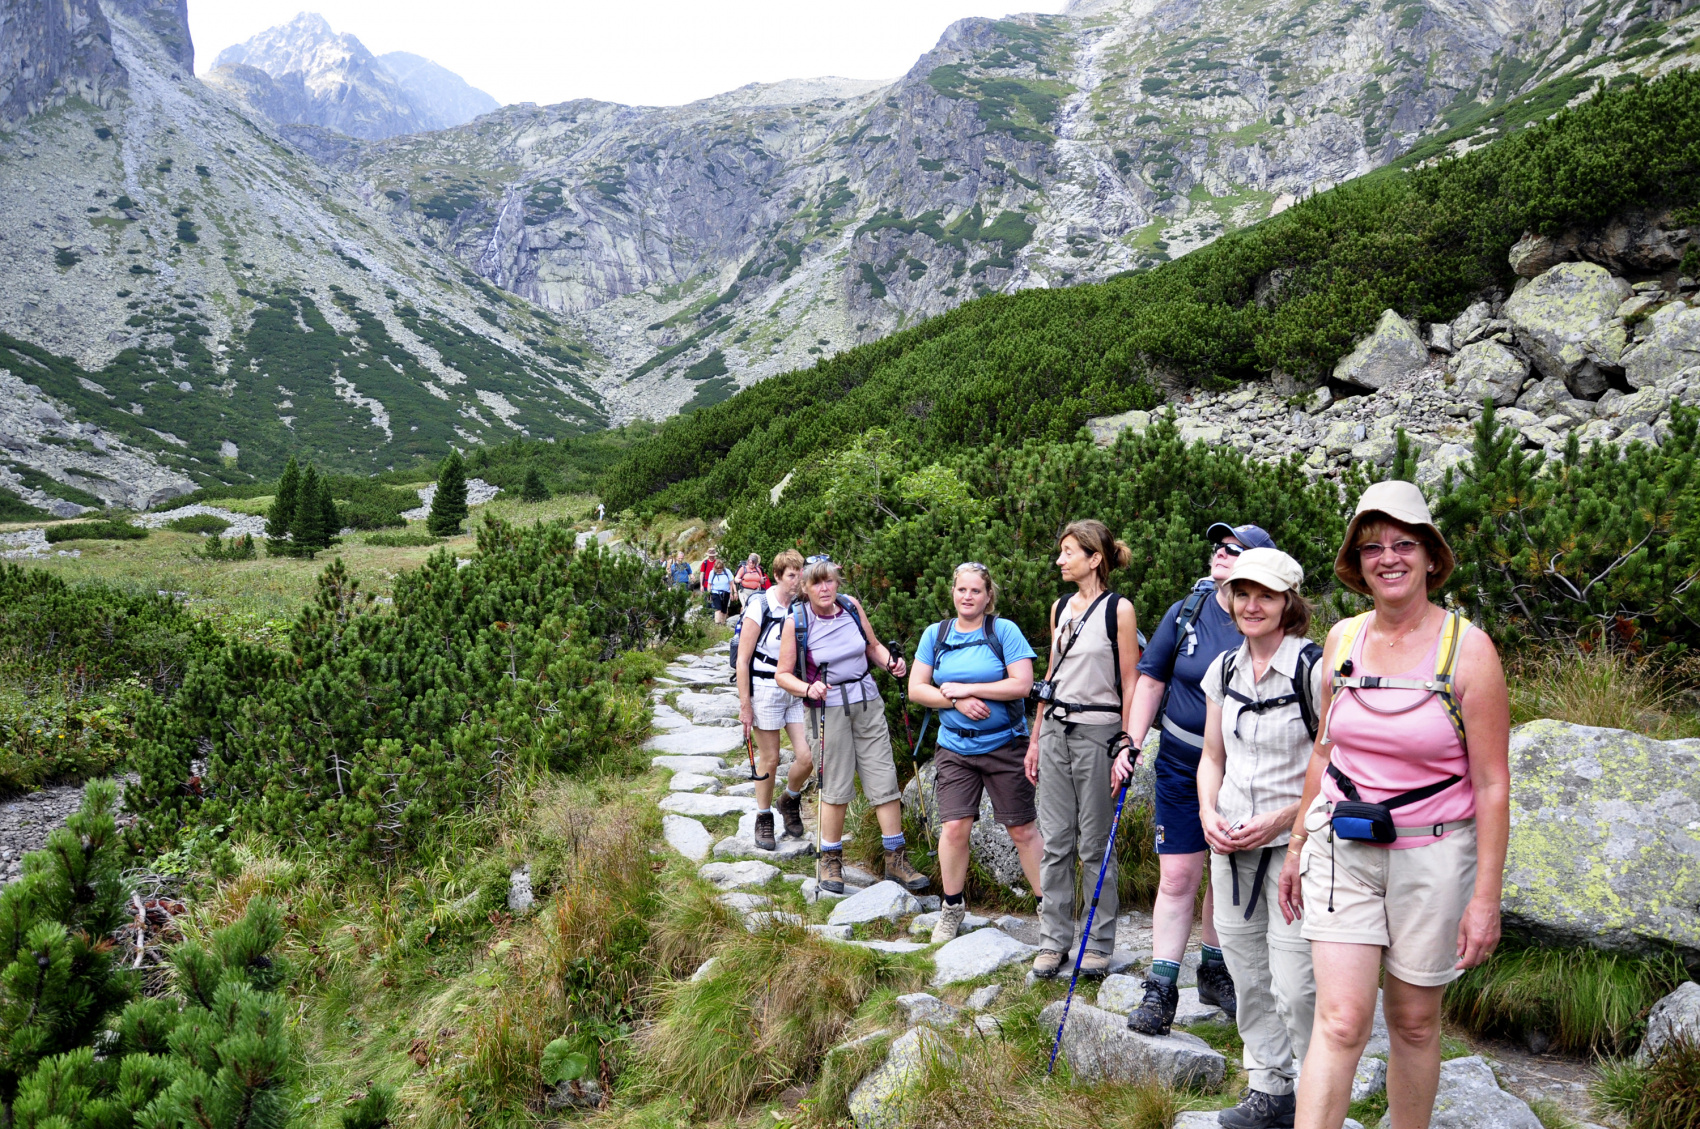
1185, 736
1358, 820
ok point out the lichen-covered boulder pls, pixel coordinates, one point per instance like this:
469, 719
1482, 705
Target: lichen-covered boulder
1098, 1047
877, 1101
1487, 369
1605, 839
1673, 345
1561, 320
1392, 351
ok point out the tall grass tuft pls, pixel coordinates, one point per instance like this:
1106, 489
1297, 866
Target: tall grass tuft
1663, 1094
1583, 1000
1602, 688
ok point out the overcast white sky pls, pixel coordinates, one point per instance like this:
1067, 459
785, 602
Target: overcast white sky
641, 52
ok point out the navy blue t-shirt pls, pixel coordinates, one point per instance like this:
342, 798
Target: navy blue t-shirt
1167, 659
973, 661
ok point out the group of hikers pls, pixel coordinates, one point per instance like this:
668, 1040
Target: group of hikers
722, 586
1355, 838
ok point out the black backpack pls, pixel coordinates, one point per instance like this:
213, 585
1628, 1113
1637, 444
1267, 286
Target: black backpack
1309, 656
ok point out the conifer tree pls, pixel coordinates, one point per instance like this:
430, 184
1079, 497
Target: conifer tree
308, 526
282, 514
328, 511
533, 490
448, 506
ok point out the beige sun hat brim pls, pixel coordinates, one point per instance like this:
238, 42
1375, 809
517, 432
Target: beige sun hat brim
1271, 568
1400, 502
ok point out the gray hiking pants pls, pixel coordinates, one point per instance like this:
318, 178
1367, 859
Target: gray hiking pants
1075, 808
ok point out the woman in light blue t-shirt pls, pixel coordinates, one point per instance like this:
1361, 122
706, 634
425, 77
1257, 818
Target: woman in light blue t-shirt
977, 676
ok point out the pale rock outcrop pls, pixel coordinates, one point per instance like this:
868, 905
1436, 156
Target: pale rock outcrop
1098, 1047
1673, 345
1561, 320
1487, 369
1677, 1016
1470, 1098
1392, 351
877, 1101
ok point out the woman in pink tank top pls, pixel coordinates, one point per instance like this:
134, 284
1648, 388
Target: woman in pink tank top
1418, 722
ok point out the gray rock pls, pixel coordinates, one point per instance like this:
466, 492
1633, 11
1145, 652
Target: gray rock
1099, 1048
877, 1101
1555, 315
832, 932
1121, 994
885, 901
1370, 1078
891, 946
983, 997
747, 788
922, 1007
1432, 470
704, 970
519, 890
696, 741
694, 803
1440, 337
812, 893
1534, 254
704, 708
743, 844
1210, 434
1675, 1016
1488, 370
1467, 323
744, 903
976, 954
1644, 406
1106, 429
1605, 839
925, 922
988, 1025
693, 782
1470, 1098
1595, 431
756, 922
1673, 345
704, 765
686, 836
1378, 450
737, 875
1393, 351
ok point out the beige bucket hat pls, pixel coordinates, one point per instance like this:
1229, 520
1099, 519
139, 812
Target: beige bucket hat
1400, 502
1271, 568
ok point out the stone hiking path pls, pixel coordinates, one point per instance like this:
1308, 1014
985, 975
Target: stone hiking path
700, 742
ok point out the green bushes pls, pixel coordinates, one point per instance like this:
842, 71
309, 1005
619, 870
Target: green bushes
372, 728
199, 523
1291, 293
406, 539
94, 531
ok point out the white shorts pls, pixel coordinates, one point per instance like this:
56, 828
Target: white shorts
774, 708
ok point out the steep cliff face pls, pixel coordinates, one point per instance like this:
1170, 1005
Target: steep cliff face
52, 50
707, 246
185, 297
302, 72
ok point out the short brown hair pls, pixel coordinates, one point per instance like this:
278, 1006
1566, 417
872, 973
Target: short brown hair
1295, 617
789, 559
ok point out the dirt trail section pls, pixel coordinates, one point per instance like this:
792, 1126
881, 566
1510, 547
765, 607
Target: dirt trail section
26, 821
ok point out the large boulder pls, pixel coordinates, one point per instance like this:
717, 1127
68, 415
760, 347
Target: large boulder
1673, 345
1470, 1098
1107, 429
1098, 1047
883, 901
1487, 369
976, 954
877, 1101
1632, 242
1394, 350
1605, 839
1677, 1016
1562, 321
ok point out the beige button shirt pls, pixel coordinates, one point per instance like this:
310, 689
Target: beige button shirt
1267, 757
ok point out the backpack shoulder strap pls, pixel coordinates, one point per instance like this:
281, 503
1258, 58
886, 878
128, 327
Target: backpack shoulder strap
1452, 632
1192, 605
1111, 629
845, 603
1309, 655
989, 626
800, 620
1349, 632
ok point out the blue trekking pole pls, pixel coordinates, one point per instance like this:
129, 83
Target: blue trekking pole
1109, 850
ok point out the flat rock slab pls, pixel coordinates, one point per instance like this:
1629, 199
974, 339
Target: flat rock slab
756, 922
693, 782
1121, 994
696, 741
877, 1101
707, 766
737, 875
891, 946
1208, 1119
694, 803
1470, 1098
703, 708
812, 893
687, 836
923, 1007
832, 932
668, 718
983, 997
885, 901
734, 847
979, 953
1099, 1048
925, 922
744, 903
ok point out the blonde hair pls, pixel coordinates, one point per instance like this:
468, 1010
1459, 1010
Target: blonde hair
789, 559
983, 573
821, 570
1094, 536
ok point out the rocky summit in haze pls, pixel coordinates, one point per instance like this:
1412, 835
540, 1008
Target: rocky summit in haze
302, 253
303, 73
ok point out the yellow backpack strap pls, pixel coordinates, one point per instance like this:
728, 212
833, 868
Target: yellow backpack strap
1348, 637
1452, 632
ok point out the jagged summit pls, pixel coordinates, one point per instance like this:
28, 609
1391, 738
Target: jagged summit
304, 72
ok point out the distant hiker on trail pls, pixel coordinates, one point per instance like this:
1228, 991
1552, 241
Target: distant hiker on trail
600, 510
1397, 861
719, 583
703, 572
766, 708
837, 645
1190, 635
1264, 705
750, 578
679, 572
1082, 713
977, 670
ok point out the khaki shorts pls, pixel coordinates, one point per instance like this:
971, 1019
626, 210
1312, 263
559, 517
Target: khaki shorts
774, 708
1001, 772
1408, 902
858, 744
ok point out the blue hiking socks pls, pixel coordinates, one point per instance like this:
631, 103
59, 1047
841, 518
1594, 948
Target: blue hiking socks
892, 842
832, 846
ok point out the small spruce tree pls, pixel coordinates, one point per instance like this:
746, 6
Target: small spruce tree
533, 490
448, 506
328, 512
282, 514
308, 526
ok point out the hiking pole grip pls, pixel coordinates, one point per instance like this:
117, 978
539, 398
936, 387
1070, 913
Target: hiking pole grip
1086, 932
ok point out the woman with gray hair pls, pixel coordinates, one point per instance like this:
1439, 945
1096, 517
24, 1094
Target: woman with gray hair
827, 652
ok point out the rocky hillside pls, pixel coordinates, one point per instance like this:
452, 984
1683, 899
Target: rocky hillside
186, 296
707, 246
302, 72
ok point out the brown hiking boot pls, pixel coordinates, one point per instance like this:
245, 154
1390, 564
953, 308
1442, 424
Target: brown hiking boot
764, 832
1094, 966
832, 871
898, 870
791, 811
1047, 963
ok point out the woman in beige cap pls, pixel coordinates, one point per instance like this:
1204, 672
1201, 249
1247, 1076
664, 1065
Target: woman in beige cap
1396, 863
1263, 702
